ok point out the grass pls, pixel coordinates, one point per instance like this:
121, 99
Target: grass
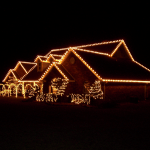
37, 126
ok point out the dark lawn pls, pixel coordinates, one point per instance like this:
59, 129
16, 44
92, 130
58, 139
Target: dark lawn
39, 126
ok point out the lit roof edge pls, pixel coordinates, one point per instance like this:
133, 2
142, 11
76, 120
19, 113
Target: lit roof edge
109, 80
28, 72
87, 45
88, 66
10, 70
125, 81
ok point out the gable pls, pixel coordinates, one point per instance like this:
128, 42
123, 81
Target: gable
77, 68
20, 71
50, 59
104, 47
113, 70
27, 65
41, 58
53, 73
7, 75
122, 53
11, 73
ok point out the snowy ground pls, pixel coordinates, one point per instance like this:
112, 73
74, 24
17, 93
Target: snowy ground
38, 126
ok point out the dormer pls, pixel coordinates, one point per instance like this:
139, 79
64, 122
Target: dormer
42, 65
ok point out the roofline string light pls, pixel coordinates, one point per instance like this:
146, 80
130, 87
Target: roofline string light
7, 75
131, 81
116, 49
128, 50
23, 68
19, 62
38, 56
63, 57
28, 71
60, 71
142, 65
10, 71
47, 70
90, 51
14, 75
73, 47
109, 80
101, 43
50, 57
55, 50
88, 66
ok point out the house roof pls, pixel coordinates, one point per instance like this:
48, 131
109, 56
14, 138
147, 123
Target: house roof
41, 75
103, 47
58, 52
33, 75
42, 58
57, 57
65, 72
111, 68
13, 72
27, 65
16, 75
106, 60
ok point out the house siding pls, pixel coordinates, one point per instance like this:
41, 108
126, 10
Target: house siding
125, 92
79, 72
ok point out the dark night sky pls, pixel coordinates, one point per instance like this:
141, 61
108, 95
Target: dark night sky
28, 30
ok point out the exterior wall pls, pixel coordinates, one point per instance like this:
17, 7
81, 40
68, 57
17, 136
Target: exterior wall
125, 92
122, 53
80, 73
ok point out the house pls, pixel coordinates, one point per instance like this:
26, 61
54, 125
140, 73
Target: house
105, 70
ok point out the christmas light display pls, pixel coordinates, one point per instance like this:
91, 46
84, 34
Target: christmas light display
80, 98
94, 91
14, 85
58, 88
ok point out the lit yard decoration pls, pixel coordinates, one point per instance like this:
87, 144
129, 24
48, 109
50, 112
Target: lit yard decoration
2, 90
58, 86
96, 91
93, 91
80, 98
31, 91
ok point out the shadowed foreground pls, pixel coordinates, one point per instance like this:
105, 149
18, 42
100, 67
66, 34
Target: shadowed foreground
39, 126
